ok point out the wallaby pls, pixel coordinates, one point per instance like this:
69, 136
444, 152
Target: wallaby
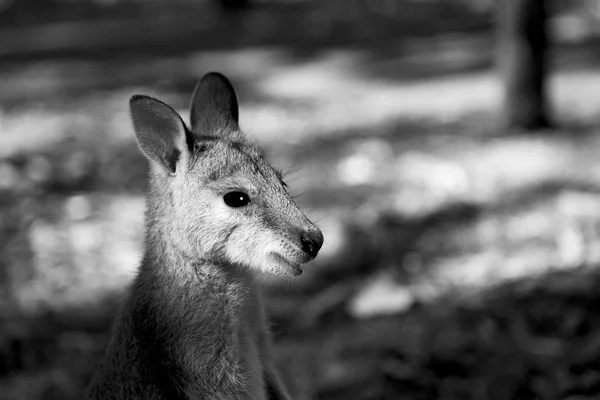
193, 325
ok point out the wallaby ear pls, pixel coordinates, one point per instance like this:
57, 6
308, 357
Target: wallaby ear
214, 106
159, 130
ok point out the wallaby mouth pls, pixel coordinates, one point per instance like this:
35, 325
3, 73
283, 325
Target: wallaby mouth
295, 268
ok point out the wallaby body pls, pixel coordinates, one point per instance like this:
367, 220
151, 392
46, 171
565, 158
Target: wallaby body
193, 325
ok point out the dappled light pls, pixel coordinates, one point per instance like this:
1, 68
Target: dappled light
460, 258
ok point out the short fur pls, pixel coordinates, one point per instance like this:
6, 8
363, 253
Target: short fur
193, 325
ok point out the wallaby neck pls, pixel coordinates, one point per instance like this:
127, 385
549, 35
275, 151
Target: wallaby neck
191, 309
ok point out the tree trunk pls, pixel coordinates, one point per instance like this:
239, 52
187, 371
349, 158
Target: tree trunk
522, 62
234, 5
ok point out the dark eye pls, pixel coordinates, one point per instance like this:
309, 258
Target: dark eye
236, 199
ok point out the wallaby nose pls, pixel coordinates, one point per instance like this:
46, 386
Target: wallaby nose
311, 242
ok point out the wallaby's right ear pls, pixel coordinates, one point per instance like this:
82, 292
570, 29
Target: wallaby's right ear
214, 106
159, 130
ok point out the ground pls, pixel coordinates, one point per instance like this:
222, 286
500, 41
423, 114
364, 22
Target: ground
460, 262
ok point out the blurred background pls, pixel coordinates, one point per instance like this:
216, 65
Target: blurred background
447, 149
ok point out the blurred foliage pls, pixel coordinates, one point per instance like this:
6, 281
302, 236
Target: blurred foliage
460, 262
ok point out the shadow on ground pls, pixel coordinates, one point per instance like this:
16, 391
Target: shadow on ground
534, 338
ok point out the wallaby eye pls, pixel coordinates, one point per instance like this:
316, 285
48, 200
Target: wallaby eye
236, 199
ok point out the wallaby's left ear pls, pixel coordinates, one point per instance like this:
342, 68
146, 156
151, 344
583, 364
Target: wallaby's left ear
159, 130
214, 106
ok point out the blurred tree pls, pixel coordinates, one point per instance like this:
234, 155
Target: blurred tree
521, 55
234, 5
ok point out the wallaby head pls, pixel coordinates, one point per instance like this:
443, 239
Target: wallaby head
212, 191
